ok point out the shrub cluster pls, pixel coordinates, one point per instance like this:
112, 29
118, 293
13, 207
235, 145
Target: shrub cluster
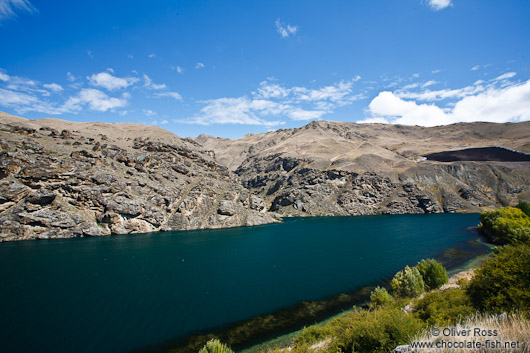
502, 283
507, 225
412, 281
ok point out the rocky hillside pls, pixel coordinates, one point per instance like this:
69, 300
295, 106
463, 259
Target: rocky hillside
336, 168
61, 179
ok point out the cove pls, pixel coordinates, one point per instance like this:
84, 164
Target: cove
135, 292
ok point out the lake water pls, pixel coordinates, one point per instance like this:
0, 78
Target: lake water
120, 293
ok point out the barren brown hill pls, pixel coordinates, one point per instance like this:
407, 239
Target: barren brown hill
339, 168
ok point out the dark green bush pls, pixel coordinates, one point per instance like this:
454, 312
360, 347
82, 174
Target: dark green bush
502, 283
433, 273
408, 283
444, 308
525, 207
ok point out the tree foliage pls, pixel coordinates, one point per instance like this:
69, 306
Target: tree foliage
525, 207
379, 297
502, 283
506, 225
433, 273
408, 283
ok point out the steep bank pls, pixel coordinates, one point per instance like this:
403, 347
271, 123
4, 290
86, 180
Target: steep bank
60, 179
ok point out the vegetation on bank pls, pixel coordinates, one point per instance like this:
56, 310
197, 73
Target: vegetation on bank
500, 286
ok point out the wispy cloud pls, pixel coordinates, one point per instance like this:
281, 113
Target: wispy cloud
273, 103
173, 95
53, 87
110, 82
199, 66
438, 5
9, 8
285, 30
148, 112
94, 99
151, 85
151, 56
178, 69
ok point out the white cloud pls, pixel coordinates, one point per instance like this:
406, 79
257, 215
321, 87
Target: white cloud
110, 82
285, 31
148, 112
273, 101
438, 5
4, 77
178, 69
149, 84
494, 103
95, 100
505, 76
475, 68
436, 71
199, 66
234, 111
301, 114
173, 95
429, 83
89, 53
151, 56
8, 8
70, 77
53, 87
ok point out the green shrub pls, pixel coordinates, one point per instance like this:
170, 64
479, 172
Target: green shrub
502, 283
506, 225
444, 308
433, 273
379, 297
380, 330
525, 207
215, 346
408, 283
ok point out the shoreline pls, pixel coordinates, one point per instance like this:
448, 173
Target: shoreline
454, 274
279, 326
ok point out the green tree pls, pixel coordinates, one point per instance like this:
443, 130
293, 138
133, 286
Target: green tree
215, 346
525, 207
506, 225
502, 283
433, 273
408, 283
379, 297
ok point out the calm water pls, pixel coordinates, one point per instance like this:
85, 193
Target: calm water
119, 293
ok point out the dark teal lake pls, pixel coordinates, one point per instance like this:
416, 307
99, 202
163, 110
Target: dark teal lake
120, 293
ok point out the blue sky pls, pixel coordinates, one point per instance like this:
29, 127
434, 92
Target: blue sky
227, 68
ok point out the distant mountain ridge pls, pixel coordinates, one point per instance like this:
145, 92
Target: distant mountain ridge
62, 179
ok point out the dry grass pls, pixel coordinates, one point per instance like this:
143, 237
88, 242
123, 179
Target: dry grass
499, 330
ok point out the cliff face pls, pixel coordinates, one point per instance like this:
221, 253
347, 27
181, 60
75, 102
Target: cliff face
60, 180
329, 168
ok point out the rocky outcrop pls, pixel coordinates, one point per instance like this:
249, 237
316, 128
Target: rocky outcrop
72, 184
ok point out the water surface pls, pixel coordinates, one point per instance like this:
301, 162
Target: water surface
120, 293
